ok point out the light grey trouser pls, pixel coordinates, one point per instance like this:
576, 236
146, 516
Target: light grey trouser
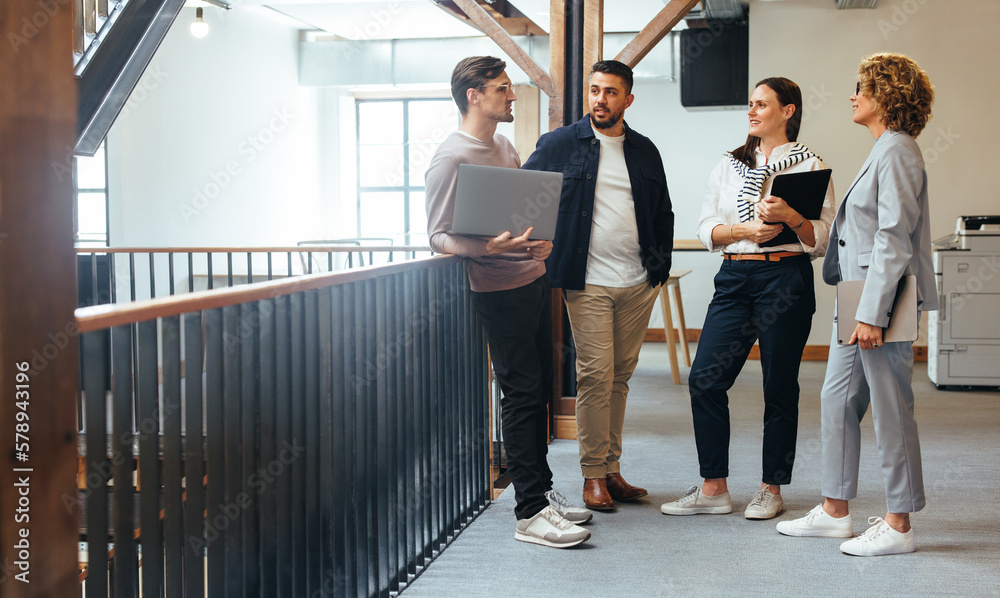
880, 377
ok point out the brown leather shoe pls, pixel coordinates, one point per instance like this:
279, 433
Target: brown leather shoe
595, 495
619, 489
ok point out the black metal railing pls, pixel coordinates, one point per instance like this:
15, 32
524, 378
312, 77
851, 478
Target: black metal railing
324, 436
122, 274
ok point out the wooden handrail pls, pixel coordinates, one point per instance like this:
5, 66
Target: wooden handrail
295, 249
99, 317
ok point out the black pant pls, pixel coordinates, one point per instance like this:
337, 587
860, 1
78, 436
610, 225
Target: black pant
773, 302
518, 325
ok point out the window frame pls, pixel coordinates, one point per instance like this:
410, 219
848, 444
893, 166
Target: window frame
407, 188
77, 190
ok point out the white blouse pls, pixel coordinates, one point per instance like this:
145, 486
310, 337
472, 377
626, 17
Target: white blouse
720, 205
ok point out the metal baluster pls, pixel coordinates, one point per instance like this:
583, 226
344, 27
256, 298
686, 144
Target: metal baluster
125, 563
215, 445
248, 391
283, 436
194, 457
152, 275
131, 271
298, 438
269, 506
310, 460
326, 488
148, 417
173, 528
411, 495
380, 444
235, 479
95, 348
190, 272
170, 265
341, 345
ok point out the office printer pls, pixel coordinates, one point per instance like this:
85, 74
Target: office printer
963, 348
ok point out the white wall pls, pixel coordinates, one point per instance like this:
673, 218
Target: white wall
218, 145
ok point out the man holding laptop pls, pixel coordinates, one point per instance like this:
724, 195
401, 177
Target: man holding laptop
512, 296
611, 252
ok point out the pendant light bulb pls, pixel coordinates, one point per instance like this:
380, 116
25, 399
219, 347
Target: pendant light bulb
199, 28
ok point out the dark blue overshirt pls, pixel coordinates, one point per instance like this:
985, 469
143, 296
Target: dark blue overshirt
575, 151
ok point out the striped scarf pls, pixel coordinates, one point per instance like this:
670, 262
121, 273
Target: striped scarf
753, 178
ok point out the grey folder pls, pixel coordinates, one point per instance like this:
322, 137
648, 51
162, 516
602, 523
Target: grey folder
490, 200
903, 323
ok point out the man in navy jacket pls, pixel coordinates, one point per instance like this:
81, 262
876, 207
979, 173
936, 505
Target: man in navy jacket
611, 252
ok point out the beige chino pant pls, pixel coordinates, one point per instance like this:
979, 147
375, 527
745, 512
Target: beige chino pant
609, 325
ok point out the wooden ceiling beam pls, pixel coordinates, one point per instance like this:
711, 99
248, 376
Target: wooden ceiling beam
507, 16
656, 30
491, 28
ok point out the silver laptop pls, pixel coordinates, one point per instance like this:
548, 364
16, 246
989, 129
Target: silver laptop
903, 323
490, 200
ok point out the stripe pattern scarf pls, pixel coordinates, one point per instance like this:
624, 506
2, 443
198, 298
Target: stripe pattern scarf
754, 178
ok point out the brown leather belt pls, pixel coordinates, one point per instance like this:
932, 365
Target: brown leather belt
773, 256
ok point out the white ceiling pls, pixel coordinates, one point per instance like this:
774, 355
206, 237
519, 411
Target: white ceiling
409, 19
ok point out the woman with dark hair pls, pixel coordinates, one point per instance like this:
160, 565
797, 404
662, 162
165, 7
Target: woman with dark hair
880, 235
762, 293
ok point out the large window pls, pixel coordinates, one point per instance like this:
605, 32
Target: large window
396, 140
90, 205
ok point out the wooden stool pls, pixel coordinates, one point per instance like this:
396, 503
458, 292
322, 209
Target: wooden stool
668, 321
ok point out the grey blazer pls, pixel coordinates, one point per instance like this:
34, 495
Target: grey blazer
882, 230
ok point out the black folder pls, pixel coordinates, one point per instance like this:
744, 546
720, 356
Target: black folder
804, 192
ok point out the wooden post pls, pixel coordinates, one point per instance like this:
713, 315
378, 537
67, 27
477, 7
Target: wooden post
557, 69
526, 125
557, 62
38, 334
593, 42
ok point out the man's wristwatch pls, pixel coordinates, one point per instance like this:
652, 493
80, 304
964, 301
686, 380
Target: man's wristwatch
802, 220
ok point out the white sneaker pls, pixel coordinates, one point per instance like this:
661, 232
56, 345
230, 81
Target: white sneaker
880, 539
818, 523
764, 505
549, 528
567, 509
694, 503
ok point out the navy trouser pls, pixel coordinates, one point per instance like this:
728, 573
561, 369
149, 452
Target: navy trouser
518, 325
772, 302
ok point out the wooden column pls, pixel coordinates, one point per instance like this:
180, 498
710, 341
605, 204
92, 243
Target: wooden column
526, 125
38, 532
557, 70
557, 61
593, 42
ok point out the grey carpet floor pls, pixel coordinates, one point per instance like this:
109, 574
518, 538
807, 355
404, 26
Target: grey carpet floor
637, 551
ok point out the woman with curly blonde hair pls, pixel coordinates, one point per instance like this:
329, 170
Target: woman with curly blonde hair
881, 233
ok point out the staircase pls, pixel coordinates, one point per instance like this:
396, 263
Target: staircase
114, 40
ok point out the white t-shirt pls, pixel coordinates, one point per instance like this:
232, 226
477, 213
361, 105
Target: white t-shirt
615, 258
